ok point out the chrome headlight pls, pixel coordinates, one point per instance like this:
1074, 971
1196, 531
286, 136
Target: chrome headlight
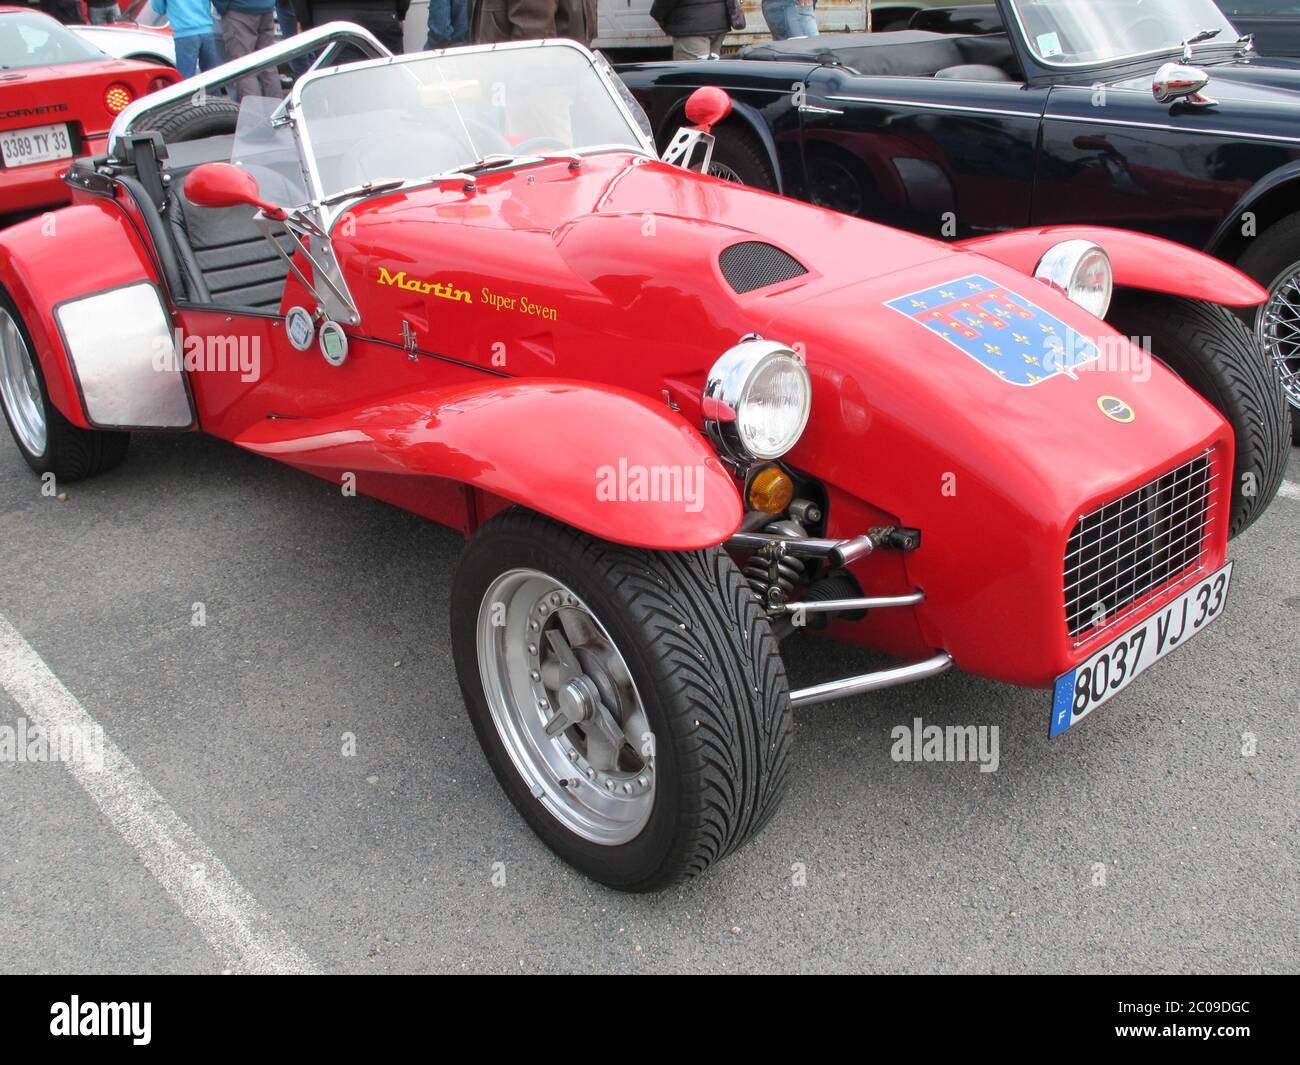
1081, 270
757, 401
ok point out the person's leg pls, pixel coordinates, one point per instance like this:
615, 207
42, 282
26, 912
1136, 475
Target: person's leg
101, 16
774, 14
187, 55
440, 28
803, 20
715, 44
239, 31
459, 21
269, 78
209, 52
690, 47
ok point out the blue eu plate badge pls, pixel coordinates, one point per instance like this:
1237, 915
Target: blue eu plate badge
1011, 337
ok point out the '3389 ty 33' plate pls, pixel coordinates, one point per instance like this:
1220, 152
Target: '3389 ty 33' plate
1109, 671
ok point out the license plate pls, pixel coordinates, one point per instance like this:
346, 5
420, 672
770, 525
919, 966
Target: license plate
1113, 668
36, 144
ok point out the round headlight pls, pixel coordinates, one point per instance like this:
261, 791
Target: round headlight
1081, 270
757, 401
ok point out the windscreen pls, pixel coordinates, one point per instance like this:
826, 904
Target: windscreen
32, 40
414, 119
1065, 32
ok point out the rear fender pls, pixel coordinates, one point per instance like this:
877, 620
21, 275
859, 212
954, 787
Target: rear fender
610, 462
81, 278
1139, 261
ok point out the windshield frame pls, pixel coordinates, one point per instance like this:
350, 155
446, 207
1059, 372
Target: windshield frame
302, 134
1174, 48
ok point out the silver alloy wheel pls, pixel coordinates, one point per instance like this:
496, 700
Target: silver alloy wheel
566, 707
1278, 328
19, 389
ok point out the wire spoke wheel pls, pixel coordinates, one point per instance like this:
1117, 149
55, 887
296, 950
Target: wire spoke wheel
19, 388
1278, 329
565, 706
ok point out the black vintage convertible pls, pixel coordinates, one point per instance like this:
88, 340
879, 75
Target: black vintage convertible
1151, 115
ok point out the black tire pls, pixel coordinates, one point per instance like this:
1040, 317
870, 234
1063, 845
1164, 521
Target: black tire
1214, 353
738, 156
1268, 258
217, 116
710, 677
70, 453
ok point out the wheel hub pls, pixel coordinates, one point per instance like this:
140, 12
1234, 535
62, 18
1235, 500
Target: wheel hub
20, 391
1278, 329
565, 706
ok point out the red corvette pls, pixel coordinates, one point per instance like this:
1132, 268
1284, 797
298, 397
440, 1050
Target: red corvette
58, 97
677, 418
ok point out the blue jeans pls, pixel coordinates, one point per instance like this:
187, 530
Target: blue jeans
789, 18
197, 52
448, 23
287, 17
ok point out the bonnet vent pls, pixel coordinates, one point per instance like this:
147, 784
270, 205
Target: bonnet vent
754, 264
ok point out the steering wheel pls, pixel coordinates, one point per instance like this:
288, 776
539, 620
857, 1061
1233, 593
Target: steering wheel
534, 143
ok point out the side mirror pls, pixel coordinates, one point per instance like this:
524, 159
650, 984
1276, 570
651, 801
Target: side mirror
707, 106
1176, 81
224, 185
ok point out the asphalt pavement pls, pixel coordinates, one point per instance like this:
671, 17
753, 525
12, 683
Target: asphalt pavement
295, 783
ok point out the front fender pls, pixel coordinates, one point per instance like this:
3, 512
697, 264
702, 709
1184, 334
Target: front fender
63, 255
610, 462
1140, 261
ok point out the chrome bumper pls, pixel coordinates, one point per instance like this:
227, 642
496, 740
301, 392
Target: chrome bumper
870, 682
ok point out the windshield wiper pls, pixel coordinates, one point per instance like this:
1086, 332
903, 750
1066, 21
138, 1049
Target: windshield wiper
488, 162
1197, 38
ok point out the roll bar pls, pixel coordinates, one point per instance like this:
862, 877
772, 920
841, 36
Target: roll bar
333, 37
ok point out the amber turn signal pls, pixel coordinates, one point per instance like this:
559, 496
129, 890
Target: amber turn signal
771, 490
117, 98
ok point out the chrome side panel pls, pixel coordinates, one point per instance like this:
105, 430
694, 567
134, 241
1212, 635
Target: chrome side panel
124, 359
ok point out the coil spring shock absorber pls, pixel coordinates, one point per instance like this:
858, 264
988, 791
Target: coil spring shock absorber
773, 574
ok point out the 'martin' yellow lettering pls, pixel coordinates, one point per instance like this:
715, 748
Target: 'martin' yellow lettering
441, 289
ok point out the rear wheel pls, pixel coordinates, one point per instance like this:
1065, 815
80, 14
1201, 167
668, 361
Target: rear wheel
48, 441
1216, 355
632, 704
1274, 261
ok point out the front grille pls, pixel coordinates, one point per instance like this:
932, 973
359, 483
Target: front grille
753, 265
1128, 549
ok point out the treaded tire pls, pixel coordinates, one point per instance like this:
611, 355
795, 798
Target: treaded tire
217, 116
1273, 252
71, 453
1215, 354
743, 155
709, 674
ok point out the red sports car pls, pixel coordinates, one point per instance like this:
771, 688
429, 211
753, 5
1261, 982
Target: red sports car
58, 97
676, 418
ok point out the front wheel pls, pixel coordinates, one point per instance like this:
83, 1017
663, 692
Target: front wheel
1216, 355
632, 704
1274, 261
48, 441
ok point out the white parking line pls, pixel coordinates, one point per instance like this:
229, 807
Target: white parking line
1291, 491
243, 935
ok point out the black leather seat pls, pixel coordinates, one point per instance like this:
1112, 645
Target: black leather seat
225, 257
904, 53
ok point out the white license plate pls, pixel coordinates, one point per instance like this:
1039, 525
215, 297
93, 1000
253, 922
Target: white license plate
36, 144
1113, 668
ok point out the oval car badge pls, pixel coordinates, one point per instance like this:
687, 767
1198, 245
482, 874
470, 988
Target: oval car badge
333, 343
298, 328
1116, 409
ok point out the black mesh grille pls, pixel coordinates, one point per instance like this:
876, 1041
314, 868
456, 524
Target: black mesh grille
755, 265
1119, 555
